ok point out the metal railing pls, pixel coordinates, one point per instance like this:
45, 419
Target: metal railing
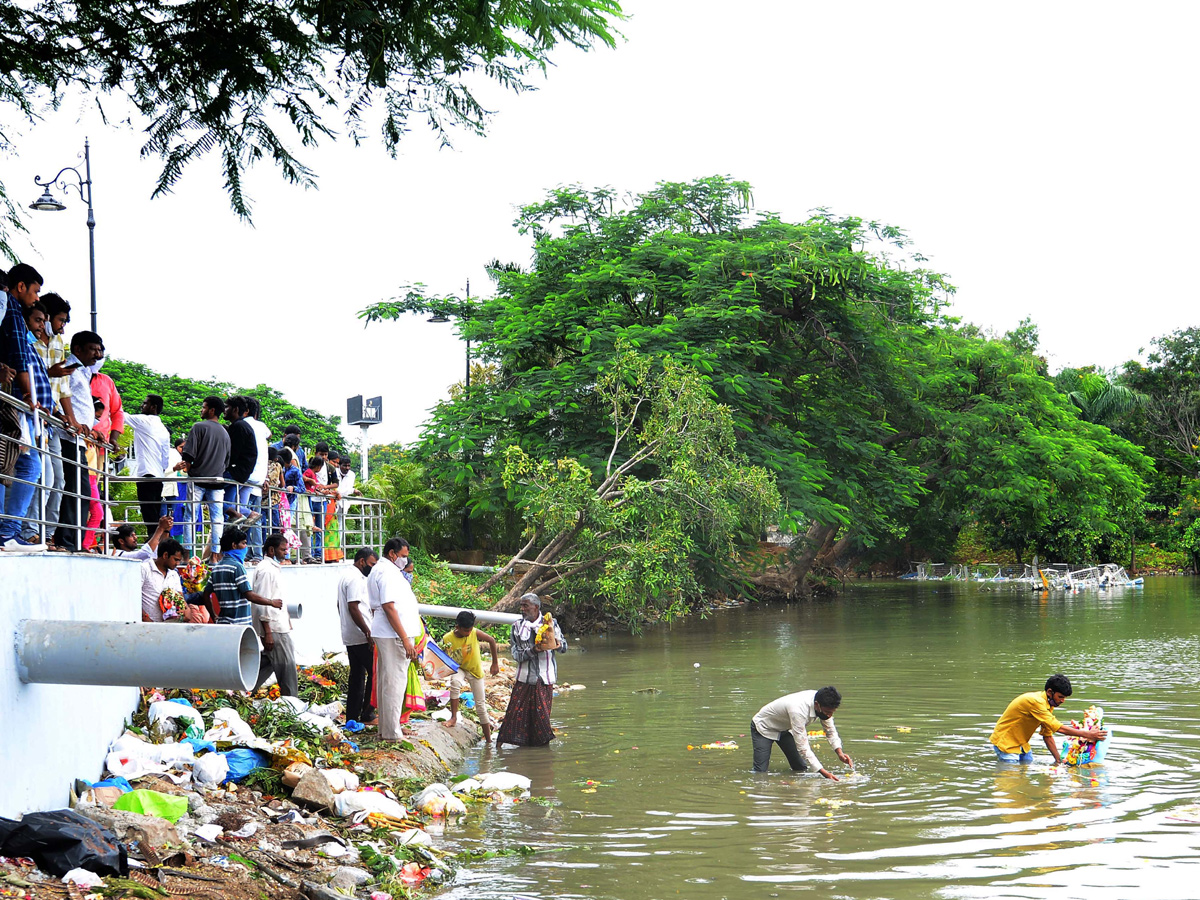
200, 507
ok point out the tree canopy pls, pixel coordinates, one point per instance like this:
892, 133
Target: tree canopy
825, 339
250, 80
182, 398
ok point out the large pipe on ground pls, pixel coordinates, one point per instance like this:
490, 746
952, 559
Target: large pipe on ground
137, 654
477, 570
481, 615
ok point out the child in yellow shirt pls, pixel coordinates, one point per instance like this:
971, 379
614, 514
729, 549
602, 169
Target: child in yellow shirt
462, 646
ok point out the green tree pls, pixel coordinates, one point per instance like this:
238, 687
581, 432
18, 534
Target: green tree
1099, 397
249, 80
825, 339
674, 497
182, 398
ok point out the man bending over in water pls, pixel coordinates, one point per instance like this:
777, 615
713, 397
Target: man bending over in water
1010, 739
785, 722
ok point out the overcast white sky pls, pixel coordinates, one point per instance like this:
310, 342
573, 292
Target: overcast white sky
1040, 154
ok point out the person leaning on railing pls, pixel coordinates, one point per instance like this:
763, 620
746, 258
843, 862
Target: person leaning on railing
31, 383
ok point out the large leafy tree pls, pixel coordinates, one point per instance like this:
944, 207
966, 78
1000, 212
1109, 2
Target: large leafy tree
250, 80
182, 398
825, 339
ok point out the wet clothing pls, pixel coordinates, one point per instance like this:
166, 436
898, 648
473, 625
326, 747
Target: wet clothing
1021, 719
792, 714
527, 719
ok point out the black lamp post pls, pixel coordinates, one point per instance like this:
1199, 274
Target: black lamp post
468, 540
48, 203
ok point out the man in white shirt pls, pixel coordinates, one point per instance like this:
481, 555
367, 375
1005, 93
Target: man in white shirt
262, 436
785, 722
75, 507
158, 575
395, 625
152, 451
125, 543
353, 611
274, 626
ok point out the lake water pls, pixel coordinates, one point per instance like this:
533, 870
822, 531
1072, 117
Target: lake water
932, 815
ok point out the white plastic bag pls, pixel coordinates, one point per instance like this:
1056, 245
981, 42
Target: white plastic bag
467, 786
210, 769
168, 713
349, 802
505, 781
340, 780
330, 710
438, 800
228, 726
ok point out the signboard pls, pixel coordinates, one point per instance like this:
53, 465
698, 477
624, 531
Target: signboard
364, 412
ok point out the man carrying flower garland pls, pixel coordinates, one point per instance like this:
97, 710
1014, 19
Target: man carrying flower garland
527, 719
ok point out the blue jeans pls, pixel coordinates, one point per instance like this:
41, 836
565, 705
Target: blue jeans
15, 499
214, 497
254, 535
318, 533
237, 499
1024, 757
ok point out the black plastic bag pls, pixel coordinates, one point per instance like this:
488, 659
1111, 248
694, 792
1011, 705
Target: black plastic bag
62, 840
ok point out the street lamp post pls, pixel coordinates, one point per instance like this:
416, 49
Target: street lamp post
48, 203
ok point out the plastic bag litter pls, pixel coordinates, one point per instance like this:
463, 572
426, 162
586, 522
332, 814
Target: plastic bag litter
83, 878
242, 762
164, 717
228, 726
127, 765
62, 840
413, 837
349, 802
208, 833
330, 710
322, 723
438, 800
467, 786
505, 781
171, 807
176, 756
340, 780
210, 770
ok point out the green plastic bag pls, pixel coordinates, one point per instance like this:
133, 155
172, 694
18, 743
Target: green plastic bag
154, 803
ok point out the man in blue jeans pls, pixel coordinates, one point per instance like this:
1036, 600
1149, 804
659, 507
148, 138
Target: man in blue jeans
19, 354
206, 455
1010, 738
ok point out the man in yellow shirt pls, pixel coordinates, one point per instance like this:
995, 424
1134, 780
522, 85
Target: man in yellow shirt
1021, 719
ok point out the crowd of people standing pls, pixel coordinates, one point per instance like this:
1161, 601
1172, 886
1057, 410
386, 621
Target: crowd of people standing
67, 451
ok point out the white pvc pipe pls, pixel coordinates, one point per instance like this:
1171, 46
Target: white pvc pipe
295, 610
478, 570
137, 654
481, 615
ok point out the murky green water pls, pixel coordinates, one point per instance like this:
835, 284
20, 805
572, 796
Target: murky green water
934, 816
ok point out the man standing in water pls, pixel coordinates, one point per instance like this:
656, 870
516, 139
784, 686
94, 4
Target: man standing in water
785, 722
1010, 738
527, 719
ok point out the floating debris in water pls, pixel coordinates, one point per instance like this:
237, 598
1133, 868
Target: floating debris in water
833, 803
903, 729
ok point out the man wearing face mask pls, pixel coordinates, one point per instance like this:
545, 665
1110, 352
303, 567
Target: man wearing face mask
111, 422
785, 722
1021, 719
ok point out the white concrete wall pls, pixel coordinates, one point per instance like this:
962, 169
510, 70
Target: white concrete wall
319, 630
51, 734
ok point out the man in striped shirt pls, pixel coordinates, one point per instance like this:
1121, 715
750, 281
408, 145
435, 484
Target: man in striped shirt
231, 585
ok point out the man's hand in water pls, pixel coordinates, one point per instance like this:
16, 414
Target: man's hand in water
1094, 734
827, 774
841, 754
